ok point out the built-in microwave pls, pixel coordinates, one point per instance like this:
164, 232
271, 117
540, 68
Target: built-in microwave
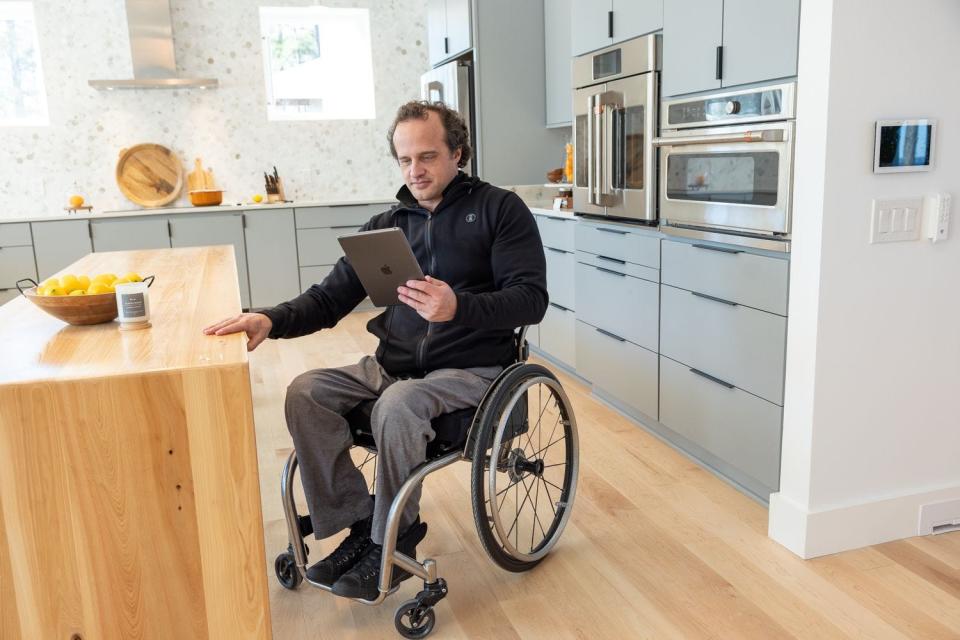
615, 121
726, 166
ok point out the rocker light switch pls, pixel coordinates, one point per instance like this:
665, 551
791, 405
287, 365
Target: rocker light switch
895, 220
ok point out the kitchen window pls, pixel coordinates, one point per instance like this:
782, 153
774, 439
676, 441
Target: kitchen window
23, 99
317, 63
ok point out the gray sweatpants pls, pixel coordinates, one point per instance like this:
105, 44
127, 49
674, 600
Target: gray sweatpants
335, 489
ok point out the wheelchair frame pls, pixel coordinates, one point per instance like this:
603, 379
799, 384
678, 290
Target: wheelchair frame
435, 588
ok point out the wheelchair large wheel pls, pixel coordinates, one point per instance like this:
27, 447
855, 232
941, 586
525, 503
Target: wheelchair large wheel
525, 464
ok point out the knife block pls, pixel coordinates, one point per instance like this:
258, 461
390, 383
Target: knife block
279, 196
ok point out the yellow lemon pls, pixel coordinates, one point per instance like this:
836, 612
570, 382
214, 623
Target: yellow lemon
84, 282
123, 280
257, 198
76, 201
133, 276
50, 282
105, 277
78, 292
69, 283
56, 291
98, 287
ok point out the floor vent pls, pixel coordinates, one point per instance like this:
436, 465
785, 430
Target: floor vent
939, 517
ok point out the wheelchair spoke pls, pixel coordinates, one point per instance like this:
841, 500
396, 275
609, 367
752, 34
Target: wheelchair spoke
549, 497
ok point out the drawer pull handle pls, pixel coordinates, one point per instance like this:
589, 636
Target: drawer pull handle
611, 335
720, 300
616, 231
616, 273
558, 250
558, 306
617, 260
711, 378
717, 249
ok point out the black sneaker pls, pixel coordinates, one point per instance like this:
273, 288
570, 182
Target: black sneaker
363, 579
347, 554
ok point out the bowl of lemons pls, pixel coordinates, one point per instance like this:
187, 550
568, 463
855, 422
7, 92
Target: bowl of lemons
79, 300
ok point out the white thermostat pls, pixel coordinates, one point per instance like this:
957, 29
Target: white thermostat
904, 145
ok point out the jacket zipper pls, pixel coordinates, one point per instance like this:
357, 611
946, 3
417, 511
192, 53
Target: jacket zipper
421, 348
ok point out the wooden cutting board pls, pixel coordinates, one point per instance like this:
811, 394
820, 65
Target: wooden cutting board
149, 175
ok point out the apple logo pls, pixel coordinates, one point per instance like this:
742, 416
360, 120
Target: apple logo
386, 270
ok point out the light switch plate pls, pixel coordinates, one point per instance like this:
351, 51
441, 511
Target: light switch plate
895, 220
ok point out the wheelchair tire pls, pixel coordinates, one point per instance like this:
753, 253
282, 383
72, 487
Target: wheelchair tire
413, 620
285, 567
514, 453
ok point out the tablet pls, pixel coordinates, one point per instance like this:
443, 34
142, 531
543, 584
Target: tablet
383, 261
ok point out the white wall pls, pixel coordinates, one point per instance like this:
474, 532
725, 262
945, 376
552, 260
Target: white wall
872, 407
227, 127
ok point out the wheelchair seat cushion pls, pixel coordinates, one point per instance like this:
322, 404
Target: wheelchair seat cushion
450, 428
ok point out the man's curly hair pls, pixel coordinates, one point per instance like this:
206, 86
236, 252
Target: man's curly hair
458, 137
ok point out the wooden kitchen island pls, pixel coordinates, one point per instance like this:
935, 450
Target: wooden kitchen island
129, 491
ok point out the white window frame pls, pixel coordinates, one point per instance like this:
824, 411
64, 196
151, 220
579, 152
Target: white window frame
24, 11
358, 69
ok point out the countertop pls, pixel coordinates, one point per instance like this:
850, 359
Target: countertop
228, 208
39, 347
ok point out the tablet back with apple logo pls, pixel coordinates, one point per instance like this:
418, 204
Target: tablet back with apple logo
383, 261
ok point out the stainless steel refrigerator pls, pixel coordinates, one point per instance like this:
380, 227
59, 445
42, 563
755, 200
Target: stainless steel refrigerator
452, 84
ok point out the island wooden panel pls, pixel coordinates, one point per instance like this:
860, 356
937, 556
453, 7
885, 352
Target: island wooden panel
129, 491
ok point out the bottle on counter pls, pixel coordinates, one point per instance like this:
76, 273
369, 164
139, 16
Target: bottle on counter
568, 165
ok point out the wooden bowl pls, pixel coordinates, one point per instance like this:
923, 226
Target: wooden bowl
206, 197
80, 310
555, 175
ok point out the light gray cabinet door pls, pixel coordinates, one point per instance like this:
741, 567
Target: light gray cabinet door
130, 234
692, 31
591, 25
559, 52
60, 243
271, 257
16, 263
557, 330
760, 40
622, 305
618, 368
204, 231
458, 27
632, 18
14, 235
436, 29
561, 274
6, 295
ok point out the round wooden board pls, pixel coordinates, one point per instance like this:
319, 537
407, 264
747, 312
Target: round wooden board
149, 175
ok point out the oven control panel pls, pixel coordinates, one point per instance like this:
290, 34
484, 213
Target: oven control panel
751, 105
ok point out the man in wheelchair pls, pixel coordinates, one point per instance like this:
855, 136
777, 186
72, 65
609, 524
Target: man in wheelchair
438, 351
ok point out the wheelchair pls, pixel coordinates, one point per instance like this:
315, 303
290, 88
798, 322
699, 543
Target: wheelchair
521, 441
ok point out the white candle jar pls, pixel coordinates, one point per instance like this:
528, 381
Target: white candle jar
133, 305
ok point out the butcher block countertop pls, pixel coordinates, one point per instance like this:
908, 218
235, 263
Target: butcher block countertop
193, 288
129, 491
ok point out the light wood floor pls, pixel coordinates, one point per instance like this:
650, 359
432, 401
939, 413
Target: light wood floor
657, 547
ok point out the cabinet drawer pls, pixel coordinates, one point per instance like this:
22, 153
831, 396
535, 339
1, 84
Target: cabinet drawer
557, 334
6, 295
561, 273
622, 266
310, 276
621, 304
620, 369
614, 241
556, 232
15, 235
732, 274
320, 246
737, 344
348, 215
60, 243
16, 263
737, 427
130, 234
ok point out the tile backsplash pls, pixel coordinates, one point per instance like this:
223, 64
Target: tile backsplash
227, 127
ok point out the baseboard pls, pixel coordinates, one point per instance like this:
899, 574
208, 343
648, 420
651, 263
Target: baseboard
810, 534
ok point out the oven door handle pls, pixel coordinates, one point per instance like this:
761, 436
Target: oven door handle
772, 135
598, 150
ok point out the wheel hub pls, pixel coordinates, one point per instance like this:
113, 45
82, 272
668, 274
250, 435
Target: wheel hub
518, 466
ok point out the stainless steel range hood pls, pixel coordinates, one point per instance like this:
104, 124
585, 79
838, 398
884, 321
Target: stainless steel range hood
151, 47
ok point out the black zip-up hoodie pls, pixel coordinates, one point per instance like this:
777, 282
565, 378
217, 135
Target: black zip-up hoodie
483, 242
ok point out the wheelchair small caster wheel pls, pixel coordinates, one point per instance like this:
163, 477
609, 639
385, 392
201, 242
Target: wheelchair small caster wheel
414, 620
287, 573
